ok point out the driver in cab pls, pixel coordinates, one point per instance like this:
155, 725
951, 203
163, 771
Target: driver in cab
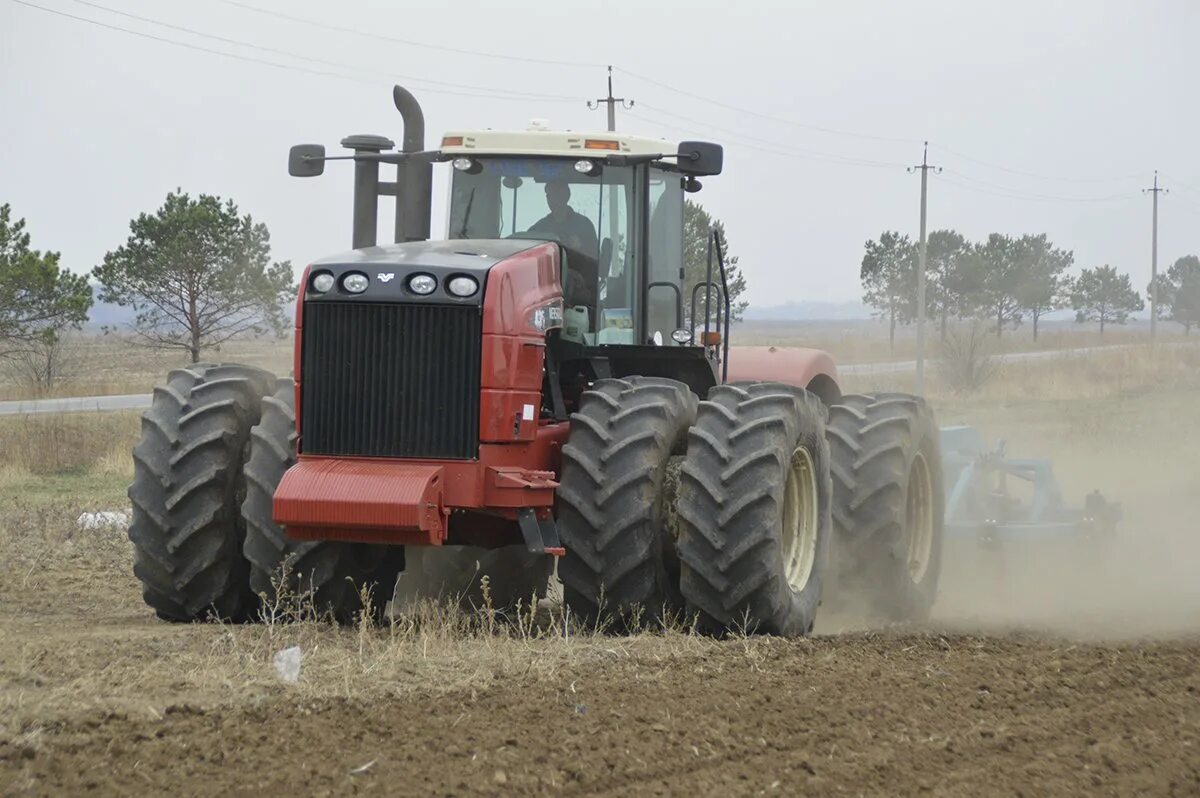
573, 230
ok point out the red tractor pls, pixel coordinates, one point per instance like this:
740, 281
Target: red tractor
541, 385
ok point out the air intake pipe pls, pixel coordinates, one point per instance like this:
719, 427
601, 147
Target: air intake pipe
366, 186
414, 176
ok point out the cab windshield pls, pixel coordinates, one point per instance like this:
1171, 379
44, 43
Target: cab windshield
593, 216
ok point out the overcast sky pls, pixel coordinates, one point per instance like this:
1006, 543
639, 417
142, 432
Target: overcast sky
97, 125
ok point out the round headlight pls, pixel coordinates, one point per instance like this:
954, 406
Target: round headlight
421, 284
463, 286
681, 336
322, 282
585, 167
355, 283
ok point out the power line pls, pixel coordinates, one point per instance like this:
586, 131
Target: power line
1017, 193
313, 59
409, 42
965, 157
759, 114
250, 59
772, 147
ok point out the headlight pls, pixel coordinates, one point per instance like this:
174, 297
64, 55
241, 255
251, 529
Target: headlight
355, 283
681, 336
421, 284
322, 282
586, 167
463, 286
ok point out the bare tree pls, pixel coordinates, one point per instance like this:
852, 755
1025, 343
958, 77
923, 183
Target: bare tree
967, 361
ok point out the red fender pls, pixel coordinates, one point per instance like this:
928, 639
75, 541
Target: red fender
812, 369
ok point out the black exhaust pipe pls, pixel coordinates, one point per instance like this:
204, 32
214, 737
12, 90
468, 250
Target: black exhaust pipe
414, 177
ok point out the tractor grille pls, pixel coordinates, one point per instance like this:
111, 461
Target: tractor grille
390, 380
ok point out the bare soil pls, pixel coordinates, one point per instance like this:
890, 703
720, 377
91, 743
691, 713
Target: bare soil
869, 713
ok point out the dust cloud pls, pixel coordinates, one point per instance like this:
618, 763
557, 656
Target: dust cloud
1141, 451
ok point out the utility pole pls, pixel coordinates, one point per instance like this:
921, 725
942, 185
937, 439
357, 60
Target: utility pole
924, 167
1154, 258
611, 102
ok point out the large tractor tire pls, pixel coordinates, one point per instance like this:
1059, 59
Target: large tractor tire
888, 504
754, 511
187, 487
516, 577
330, 574
620, 567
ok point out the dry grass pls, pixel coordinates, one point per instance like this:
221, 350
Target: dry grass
1062, 376
97, 443
116, 364
867, 341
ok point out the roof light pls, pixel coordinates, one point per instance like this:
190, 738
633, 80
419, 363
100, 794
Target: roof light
601, 144
468, 165
586, 167
452, 141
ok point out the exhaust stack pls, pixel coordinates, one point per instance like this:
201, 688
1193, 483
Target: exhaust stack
414, 176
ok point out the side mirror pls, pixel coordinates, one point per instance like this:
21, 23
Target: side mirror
306, 160
700, 158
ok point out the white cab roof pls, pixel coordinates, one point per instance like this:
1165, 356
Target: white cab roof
540, 141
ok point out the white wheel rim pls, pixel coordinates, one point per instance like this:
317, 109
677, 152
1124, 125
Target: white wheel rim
801, 520
918, 522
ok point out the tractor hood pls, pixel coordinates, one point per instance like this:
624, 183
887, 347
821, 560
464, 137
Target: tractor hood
389, 268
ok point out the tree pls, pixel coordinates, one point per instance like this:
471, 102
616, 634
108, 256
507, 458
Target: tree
1103, 295
1179, 292
955, 276
1041, 284
37, 296
698, 225
197, 274
1002, 278
889, 278
46, 361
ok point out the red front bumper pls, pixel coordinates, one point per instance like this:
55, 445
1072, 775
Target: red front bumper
400, 501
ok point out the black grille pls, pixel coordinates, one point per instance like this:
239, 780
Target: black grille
390, 380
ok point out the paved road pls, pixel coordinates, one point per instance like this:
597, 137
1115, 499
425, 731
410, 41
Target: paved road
75, 404
82, 404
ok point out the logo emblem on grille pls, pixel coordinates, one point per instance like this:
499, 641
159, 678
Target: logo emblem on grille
387, 277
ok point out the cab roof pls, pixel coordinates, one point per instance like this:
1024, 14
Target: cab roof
539, 140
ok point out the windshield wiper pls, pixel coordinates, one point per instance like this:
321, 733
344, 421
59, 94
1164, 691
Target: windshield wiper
467, 213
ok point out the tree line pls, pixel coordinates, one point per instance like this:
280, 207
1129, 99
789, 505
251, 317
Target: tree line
1008, 279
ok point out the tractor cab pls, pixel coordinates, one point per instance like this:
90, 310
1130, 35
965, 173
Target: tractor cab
613, 202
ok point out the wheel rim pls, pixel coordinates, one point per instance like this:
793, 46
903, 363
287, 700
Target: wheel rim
919, 518
801, 520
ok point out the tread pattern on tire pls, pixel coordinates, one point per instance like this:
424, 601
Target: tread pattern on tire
187, 488
873, 440
731, 508
330, 572
611, 515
